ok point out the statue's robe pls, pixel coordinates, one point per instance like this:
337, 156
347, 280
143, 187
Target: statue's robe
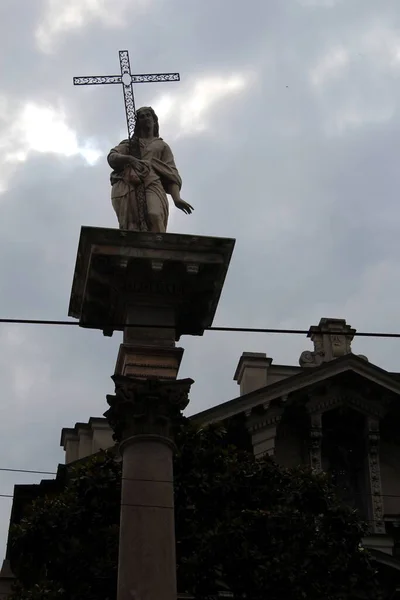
153, 174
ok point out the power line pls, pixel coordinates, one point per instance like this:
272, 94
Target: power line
372, 334
30, 471
286, 517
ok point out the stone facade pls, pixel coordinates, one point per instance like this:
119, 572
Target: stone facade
340, 381
268, 392
289, 411
86, 438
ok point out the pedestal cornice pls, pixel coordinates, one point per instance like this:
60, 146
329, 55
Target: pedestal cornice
118, 269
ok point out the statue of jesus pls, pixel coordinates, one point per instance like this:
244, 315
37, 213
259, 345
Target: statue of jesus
144, 172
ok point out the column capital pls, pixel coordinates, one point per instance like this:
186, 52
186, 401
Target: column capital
142, 407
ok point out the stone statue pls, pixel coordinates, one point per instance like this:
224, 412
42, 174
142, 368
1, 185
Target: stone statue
144, 172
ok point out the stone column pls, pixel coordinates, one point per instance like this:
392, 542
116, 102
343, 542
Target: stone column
376, 508
155, 288
142, 415
316, 441
85, 440
262, 426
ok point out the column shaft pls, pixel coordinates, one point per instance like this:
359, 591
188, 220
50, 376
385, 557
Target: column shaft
147, 564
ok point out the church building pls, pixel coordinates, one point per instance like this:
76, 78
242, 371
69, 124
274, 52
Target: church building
335, 411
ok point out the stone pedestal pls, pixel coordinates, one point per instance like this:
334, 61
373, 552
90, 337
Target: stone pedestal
148, 362
262, 424
154, 288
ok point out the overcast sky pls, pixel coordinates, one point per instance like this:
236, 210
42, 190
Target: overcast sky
285, 128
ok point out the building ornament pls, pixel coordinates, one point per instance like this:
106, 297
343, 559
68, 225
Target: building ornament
334, 395
377, 506
316, 442
331, 338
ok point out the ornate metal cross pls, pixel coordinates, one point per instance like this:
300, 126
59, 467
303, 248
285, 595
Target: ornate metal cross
127, 79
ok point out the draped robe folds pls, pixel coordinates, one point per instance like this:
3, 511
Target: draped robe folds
154, 173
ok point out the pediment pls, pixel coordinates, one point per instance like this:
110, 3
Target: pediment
350, 367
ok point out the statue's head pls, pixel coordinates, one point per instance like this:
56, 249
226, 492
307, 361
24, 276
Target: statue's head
146, 115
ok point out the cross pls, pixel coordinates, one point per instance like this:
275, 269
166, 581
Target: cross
126, 79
